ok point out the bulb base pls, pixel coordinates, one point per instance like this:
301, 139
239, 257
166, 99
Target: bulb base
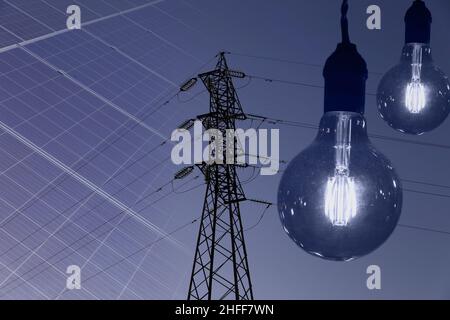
418, 21
345, 76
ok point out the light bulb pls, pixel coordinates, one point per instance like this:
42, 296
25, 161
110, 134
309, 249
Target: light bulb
414, 96
340, 199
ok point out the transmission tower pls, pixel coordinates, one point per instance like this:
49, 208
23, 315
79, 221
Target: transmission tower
220, 269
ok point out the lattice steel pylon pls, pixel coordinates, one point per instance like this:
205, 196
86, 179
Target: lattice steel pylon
221, 269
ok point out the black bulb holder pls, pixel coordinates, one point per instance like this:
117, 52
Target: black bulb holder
345, 74
418, 21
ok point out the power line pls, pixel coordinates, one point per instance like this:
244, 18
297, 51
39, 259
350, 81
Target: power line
260, 218
295, 83
292, 62
310, 126
148, 246
428, 193
423, 229
426, 183
372, 135
42, 227
399, 225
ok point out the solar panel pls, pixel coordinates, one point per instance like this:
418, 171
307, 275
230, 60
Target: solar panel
7, 38
54, 118
72, 105
41, 13
20, 24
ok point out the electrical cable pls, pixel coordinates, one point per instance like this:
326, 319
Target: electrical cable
287, 61
399, 225
309, 126
375, 136
295, 83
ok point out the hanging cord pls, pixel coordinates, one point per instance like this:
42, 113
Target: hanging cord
344, 22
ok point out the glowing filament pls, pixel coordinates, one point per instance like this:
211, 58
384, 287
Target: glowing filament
340, 193
415, 98
340, 199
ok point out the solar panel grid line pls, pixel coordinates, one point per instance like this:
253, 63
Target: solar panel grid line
33, 251
15, 271
64, 30
83, 237
106, 238
41, 228
68, 129
71, 96
202, 13
148, 251
21, 24
119, 51
170, 43
73, 251
32, 269
167, 14
54, 139
134, 180
65, 147
140, 250
28, 15
11, 37
85, 181
102, 243
110, 103
29, 284
133, 59
41, 12
36, 196
138, 268
27, 90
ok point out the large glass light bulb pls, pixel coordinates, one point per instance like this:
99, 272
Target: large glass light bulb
340, 199
414, 96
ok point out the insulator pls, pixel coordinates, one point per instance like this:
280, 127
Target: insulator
183, 173
188, 84
236, 74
